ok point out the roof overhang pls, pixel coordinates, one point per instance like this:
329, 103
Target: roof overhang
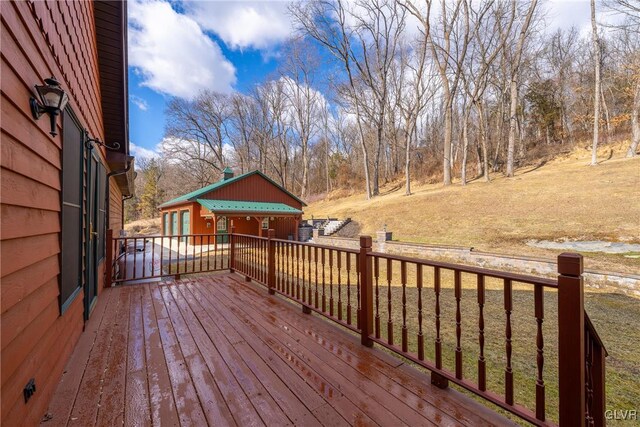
111, 43
239, 207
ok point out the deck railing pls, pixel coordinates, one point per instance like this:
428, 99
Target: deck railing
146, 258
484, 330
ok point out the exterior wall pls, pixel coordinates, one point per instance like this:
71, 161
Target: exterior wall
253, 188
40, 39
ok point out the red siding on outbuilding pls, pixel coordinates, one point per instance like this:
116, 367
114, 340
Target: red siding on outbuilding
253, 188
39, 40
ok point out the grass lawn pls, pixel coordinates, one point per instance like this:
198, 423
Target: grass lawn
564, 198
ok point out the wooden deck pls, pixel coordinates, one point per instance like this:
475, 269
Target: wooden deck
215, 350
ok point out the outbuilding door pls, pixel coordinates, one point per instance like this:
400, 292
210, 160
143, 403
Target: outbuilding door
174, 223
184, 220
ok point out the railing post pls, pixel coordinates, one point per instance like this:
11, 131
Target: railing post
271, 261
232, 250
366, 292
108, 278
599, 407
571, 357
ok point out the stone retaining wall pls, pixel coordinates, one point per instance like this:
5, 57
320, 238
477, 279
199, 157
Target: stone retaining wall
627, 283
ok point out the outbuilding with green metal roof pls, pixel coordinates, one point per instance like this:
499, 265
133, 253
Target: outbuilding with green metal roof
251, 203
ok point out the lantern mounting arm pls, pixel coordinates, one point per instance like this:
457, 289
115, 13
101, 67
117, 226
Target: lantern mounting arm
114, 146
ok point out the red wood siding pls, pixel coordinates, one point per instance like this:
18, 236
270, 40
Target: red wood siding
253, 188
40, 39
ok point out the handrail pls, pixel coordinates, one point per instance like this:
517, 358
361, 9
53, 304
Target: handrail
533, 280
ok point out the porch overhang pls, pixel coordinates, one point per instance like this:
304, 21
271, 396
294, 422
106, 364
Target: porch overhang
239, 207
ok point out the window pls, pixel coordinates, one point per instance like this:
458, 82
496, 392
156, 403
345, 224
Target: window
222, 223
101, 194
174, 223
265, 224
71, 233
165, 221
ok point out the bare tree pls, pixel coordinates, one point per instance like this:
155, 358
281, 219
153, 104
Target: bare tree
326, 22
513, 88
298, 71
494, 22
448, 41
596, 91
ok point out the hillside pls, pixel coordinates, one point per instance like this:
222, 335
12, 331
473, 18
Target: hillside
562, 199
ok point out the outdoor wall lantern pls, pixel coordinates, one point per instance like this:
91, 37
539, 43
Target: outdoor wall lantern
248, 218
52, 100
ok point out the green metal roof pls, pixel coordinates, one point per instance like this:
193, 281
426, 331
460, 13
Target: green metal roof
239, 206
191, 197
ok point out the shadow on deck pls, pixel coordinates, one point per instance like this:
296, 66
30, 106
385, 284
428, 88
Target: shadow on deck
215, 350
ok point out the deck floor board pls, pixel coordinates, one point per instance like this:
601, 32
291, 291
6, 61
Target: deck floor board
215, 350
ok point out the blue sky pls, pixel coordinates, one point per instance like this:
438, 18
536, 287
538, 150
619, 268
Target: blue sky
179, 47
146, 105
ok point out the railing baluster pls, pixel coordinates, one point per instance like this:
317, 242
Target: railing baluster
170, 250
339, 253
358, 284
297, 271
458, 296
135, 255
309, 286
324, 298
539, 313
193, 261
125, 258
178, 256
376, 275
389, 305
153, 256
508, 373
482, 368
330, 282
420, 336
144, 259
348, 288
315, 262
588, 379
438, 341
403, 279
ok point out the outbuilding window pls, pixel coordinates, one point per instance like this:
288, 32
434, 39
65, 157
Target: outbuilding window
222, 223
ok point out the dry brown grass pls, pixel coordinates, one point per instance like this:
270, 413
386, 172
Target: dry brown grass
564, 198
144, 227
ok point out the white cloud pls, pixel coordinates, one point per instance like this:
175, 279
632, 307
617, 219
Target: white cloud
172, 53
244, 24
143, 153
139, 102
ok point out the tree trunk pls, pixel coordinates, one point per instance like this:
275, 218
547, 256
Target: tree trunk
407, 161
447, 145
483, 140
305, 168
607, 122
635, 123
596, 91
465, 145
514, 89
512, 126
326, 168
